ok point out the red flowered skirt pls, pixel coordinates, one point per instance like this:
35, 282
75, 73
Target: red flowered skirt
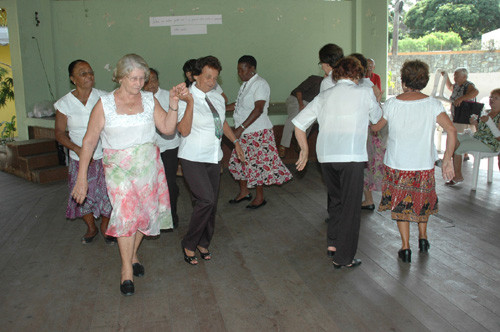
262, 166
410, 195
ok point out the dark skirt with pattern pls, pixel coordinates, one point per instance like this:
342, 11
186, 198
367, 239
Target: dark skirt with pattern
97, 201
410, 195
262, 166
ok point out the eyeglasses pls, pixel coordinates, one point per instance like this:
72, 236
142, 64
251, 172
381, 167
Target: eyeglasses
86, 73
136, 78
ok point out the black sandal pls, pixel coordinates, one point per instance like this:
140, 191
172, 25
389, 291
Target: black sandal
204, 255
189, 259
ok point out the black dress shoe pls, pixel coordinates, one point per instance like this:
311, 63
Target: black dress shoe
138, 269
236, 201
370, 207
254, 207
423, 245
355, 262
405, 255
89, 239
127, 288
110, 240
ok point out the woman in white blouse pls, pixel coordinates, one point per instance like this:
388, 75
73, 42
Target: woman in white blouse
408, 188
343, 113
73, 112
263, 166
202, 122
125, 119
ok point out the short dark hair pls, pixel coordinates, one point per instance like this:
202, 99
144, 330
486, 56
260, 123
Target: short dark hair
348, 67
249, 60
495, 92
188, 66
415, 74
330, 54
209, 61
72, 65
362, 59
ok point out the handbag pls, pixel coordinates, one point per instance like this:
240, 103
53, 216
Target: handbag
465, 110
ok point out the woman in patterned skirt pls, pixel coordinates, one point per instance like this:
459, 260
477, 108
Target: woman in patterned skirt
125, 119
73, 112
409, 186
262, 166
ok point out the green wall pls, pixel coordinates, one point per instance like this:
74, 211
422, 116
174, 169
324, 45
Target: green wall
283, 35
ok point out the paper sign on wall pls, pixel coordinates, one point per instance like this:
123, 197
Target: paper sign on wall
186, 25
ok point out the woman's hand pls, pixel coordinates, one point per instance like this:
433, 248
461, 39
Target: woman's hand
485, 118
448, 170
239, 152
473, 121
79, 192
458, 101
302, 161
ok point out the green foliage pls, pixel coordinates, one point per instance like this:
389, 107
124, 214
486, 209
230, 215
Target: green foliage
7, 134
436, 41
468, 18
6, 87
390, 83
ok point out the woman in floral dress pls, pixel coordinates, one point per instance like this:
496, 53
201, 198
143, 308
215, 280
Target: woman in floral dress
262, 166
125, 119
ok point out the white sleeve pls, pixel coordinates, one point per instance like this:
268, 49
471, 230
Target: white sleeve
308, 115
493, 127
375, 112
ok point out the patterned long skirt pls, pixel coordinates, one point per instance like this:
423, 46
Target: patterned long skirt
262, 166
374, 171
410, 195
97, 201
138, 191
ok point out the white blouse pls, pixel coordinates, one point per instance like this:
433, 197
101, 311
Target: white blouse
122, 131
78, 118
201, 145
411, 125
327, 82
251, 91
343, 113
166, 142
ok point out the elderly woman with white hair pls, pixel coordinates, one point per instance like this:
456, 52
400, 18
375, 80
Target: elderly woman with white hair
125, 119
462, 90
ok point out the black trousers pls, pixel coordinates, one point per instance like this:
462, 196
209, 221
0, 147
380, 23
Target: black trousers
170, 162
203, 181
344, 182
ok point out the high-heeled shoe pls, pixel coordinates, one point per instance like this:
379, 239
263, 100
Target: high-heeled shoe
86, 240
405, 255
423, 245
191, 260
205, 255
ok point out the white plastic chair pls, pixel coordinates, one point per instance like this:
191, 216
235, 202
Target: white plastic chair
477, 161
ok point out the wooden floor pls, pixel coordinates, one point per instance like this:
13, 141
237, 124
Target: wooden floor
269, 270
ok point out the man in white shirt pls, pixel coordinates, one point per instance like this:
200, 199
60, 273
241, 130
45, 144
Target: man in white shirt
329, 55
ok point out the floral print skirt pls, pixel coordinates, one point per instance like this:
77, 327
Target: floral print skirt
374, 171
262, 166
137, 188
410, 195
97, 201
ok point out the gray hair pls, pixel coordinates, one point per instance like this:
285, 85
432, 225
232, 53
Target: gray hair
462, 70
127, 64
370, 59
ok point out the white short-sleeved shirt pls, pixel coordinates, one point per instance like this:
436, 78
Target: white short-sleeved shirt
166, 142
201, 145
122, 131
327, 82
78, 118
218, 89
365, 81
253, 90
411, 125
343, 113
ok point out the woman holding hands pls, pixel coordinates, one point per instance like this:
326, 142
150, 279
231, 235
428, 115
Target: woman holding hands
126, 119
